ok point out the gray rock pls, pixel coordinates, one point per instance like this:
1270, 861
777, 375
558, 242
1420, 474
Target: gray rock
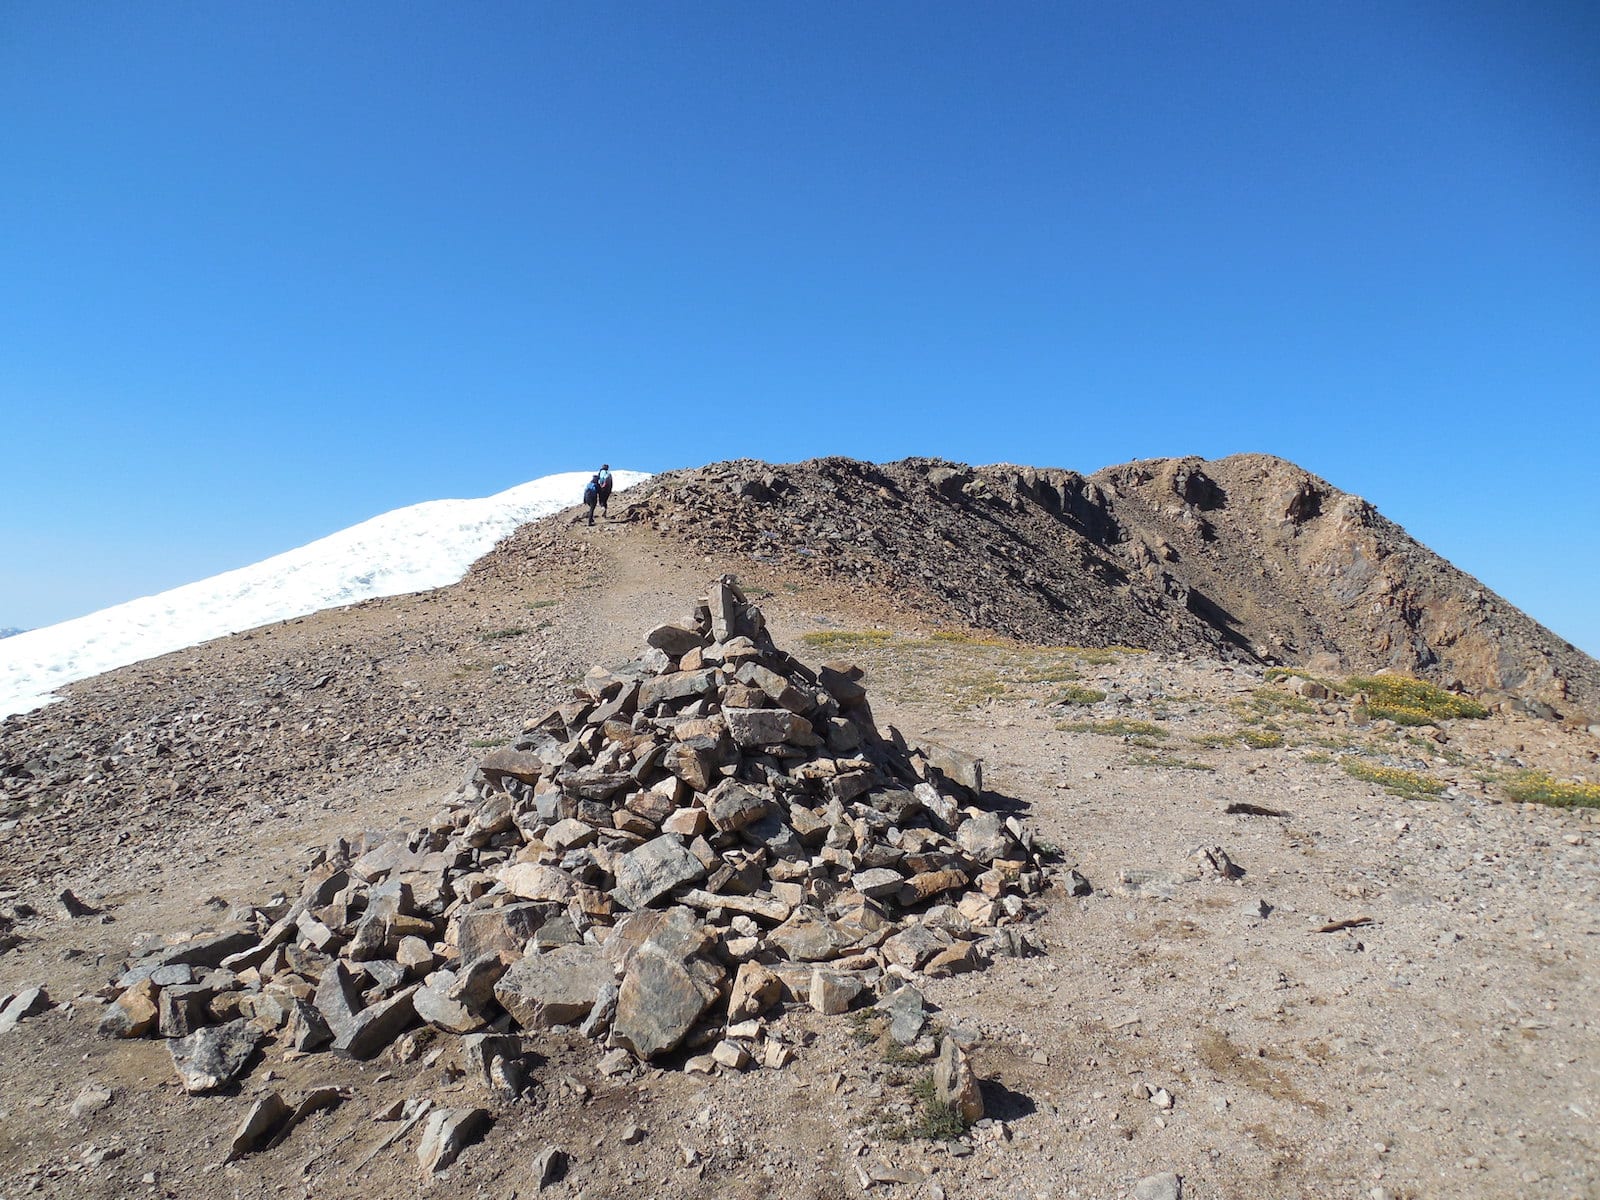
447, 1132
600, 1016
497, 1060
907, 1012
731, 806
266, 1117
558, 988
1165, 1186
878, 882
832, 992
211, 1058
91, 1098
306, 1028
668, 987
201, 952
955, 1084
808, 936
376, 1026
956, 765
550, 1166
986, 838
914, 947
768, 727
680, 685
27, 1003
653, 870
674, 639
483, 931
438, 1010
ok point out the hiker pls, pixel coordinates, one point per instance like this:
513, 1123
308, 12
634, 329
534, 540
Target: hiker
591, 495
604, 479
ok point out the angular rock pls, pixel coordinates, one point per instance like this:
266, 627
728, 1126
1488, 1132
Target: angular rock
674, 639
880, 881
907, 1012
985, 838
955, 1084
211, 1058
440, 1011
559, 988
266, 1117
550, 1166
731, 806
665, 992
755, 990
489, 930
956, 765
530, 881
654, 869
927, 884
446, 1133
832, 992
132, 1014
768, 727
914, 947
808, 936
306, 1029
680, 685
375, 1027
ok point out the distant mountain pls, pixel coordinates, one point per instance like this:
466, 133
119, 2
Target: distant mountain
11, 632
410, 549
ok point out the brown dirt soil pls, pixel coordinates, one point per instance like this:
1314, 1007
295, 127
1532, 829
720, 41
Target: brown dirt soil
1446, 1048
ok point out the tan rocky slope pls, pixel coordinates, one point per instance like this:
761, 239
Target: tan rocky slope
1247, 557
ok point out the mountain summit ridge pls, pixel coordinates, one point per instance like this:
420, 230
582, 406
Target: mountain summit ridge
1248, 556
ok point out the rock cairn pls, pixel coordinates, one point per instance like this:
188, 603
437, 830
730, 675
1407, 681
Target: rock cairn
697, 837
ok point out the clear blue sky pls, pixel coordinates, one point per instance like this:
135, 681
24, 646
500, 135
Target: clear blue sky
267, 269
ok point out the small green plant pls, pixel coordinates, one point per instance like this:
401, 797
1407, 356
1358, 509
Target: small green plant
864, 1026
1261, 739
939, 1122
1407, 701
1319, 757
896, 1055
1078, 695
1394, 780
846, 639
1213, 741
1115, 727
1537, 787
1169, 762
496, 635
958, 638
488, 743
1270, 702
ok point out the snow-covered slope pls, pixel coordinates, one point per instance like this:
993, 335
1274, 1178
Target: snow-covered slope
407, 550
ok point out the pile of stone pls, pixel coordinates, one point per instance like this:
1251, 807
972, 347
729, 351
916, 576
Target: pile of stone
697, 837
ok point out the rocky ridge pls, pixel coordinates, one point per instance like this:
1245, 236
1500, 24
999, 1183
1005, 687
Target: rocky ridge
696, 837
1247, 557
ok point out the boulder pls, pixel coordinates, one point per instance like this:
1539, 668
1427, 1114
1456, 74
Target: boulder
558, 988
